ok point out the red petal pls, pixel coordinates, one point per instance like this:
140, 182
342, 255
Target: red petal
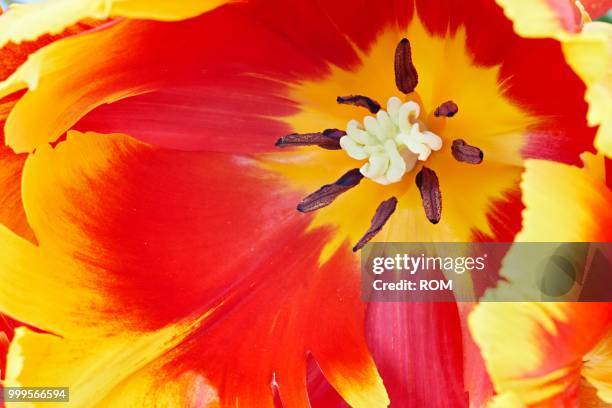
596, 8
554, 95
222, 112
418, 350
226, 89
223, 90
290, 307
320, 393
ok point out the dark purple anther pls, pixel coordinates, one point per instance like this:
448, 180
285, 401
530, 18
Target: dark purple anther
427, 182
328, 139
448, 109
406, 76
360, 100
329, 192
382, 215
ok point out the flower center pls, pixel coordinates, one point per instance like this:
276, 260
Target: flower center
392, 142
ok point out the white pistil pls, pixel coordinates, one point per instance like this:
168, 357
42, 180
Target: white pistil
392, 141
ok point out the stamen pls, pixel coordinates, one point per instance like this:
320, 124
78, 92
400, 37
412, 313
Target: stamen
406, 76
465, 153
360, 100
329, 192
448, 109
382, 215
427, 182
328, 139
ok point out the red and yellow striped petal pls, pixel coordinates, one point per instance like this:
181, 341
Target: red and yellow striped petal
598, 368
535, 350
11, 57
28, 22
129, 238
587, 48
161, 203
599, 79
541, 18
289, 313
92, 367
582, 204
12, 214
192, 119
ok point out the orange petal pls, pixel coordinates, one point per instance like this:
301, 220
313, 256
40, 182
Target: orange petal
12, 214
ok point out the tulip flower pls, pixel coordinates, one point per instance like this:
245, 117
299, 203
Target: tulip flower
198, 182
557, 353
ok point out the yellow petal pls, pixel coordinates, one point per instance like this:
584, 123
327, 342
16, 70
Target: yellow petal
534, 18
25, 22
64, 294
534, 349
90, 366
582, 204
162, 9
147, 388
598, 368
45, 281
360, 387
506, 400
62, 85
598, 80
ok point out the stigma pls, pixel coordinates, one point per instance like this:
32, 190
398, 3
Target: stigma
392, 142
